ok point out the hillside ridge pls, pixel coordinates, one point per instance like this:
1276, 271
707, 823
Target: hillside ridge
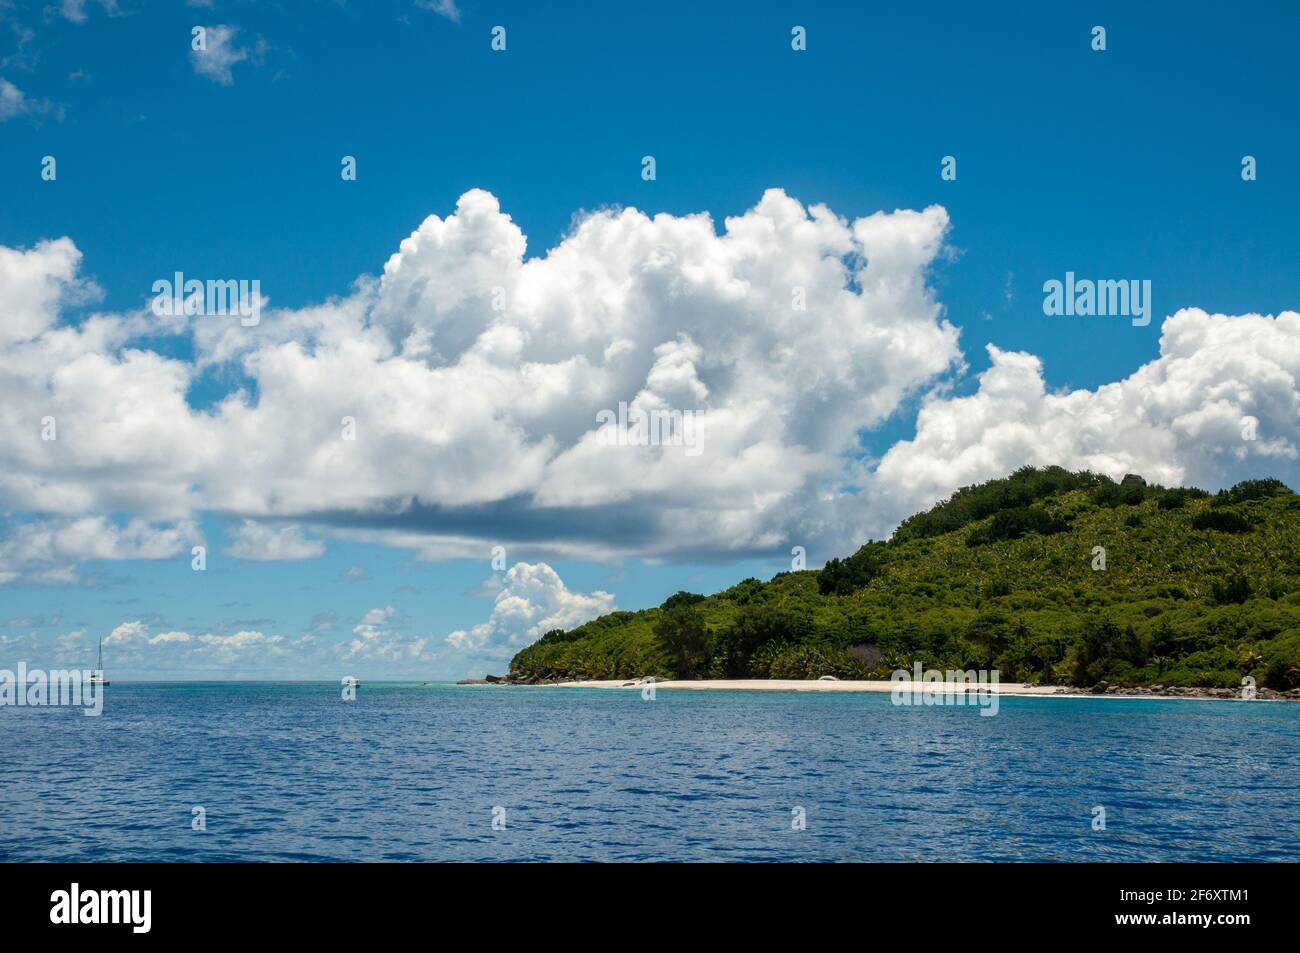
1048, 576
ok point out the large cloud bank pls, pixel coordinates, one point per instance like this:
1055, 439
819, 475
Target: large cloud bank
472, 381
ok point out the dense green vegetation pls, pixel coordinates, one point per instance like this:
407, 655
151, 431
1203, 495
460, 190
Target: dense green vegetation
1196, 590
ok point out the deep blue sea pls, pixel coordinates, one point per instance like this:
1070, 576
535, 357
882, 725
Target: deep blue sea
291, 772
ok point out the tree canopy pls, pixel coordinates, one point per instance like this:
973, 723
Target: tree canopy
1049, 576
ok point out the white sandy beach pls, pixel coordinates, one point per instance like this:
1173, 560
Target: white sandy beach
799, 685
881, 685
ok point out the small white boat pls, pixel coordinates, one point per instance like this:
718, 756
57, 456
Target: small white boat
97, 676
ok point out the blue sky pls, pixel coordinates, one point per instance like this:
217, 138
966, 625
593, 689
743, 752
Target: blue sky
1124, 163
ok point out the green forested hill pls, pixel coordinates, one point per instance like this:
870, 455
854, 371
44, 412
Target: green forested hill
1196, 590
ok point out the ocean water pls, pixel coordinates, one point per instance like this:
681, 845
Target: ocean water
290, 772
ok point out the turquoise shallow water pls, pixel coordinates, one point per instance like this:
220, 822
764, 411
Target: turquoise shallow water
291, 772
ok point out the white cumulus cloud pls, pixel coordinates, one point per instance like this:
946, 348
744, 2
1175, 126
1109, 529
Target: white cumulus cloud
49, 550
532, 601
259, 542
444, 8
1179, 419
463, 397
374, 640
221, 51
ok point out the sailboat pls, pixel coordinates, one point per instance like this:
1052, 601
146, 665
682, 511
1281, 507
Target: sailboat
97, 676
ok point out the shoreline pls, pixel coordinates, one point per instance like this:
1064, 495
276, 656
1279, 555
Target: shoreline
886, 686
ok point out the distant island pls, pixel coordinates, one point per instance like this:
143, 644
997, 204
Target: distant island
1053, 578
